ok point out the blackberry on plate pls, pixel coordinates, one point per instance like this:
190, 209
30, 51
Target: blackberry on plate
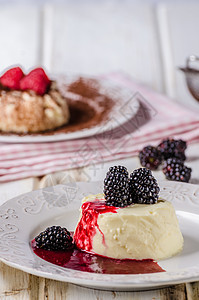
116, 187
175, 169
150, 157
173, 148
54, 238
144, 186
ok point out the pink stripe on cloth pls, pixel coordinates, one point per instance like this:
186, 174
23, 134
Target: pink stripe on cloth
157, 118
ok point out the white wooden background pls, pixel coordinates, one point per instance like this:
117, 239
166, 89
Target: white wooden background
146, 40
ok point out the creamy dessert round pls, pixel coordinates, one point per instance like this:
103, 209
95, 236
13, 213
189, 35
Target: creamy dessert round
137, 231
28, 112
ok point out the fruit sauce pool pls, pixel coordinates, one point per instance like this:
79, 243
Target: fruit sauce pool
87, 262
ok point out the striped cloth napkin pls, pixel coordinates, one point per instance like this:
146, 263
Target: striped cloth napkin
157, 118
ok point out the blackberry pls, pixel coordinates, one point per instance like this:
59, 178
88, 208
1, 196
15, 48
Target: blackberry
150, 157
116, 187
143, 186
54, 238
174, 169
173, 148
118, 169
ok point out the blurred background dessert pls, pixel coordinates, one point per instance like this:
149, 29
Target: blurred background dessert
30, 103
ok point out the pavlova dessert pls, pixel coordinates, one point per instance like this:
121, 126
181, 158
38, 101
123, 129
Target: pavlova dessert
30, 102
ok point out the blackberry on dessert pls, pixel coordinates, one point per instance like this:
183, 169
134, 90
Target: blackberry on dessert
144, 186
118, 169
54, 238
116, 187
174, 169
150, 157
121, 191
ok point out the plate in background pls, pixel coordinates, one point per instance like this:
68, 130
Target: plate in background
124, 108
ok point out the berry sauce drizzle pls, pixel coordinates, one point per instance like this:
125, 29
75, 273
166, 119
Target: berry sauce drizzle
83, 261
87, 225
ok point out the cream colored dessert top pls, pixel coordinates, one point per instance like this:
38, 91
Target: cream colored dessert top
138, 231
25, 111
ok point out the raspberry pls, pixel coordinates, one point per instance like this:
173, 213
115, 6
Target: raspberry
150, 157
11, 78
36, 80
54, 238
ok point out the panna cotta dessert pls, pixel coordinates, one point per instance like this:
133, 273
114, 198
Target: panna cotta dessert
138, 231
124, 230
128, 220
30, 103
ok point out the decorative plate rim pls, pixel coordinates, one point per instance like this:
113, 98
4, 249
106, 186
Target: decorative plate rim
19, 215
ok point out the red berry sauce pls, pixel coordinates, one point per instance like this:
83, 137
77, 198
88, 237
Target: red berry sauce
83, 261
87, 225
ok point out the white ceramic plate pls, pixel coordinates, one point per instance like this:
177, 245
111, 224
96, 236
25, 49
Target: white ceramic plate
25, 216
126, 105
